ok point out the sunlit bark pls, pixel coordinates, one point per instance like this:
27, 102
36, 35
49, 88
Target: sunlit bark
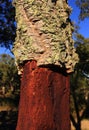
45, 54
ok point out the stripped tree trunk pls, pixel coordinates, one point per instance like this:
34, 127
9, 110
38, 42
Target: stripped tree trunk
45, 54
44, 99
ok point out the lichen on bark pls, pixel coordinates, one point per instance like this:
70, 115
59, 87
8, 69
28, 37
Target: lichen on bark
44, 33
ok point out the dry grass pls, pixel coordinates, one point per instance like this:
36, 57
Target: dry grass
84, 125
5, 108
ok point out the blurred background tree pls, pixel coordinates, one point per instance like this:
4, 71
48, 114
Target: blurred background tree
80, 77
84, 8
9, 92
80, 83
9, 79
7, 23
8, 73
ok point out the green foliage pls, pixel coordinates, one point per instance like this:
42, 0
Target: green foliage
82, 48
84, 8
8, 72
7, 23
80, 82
79, 79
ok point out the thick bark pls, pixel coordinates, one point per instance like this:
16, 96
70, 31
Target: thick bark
44, 33
44, 98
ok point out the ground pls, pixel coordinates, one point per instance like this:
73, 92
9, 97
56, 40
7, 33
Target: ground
85, 125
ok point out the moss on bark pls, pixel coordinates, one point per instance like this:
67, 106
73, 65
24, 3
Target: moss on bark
44, 33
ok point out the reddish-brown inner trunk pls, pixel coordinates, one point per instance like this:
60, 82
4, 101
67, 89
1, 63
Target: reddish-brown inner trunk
44, 98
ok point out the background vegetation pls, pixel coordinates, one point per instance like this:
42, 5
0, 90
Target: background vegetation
10, 81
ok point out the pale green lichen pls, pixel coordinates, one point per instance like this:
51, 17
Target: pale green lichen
44, 33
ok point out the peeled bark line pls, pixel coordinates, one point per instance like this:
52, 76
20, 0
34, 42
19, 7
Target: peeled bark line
44, 98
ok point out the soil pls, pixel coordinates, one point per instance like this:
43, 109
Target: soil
84, 125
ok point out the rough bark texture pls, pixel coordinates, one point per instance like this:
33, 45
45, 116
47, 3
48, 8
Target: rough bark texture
44, 33
44, 99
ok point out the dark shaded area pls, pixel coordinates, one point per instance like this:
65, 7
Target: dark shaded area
8, 120
86, 111
7, 23
54, 1
9, 111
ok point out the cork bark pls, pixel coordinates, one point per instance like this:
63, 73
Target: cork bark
44, 99
44, 33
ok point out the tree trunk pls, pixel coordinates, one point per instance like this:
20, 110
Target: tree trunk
77, 124
44, 39
44, 98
